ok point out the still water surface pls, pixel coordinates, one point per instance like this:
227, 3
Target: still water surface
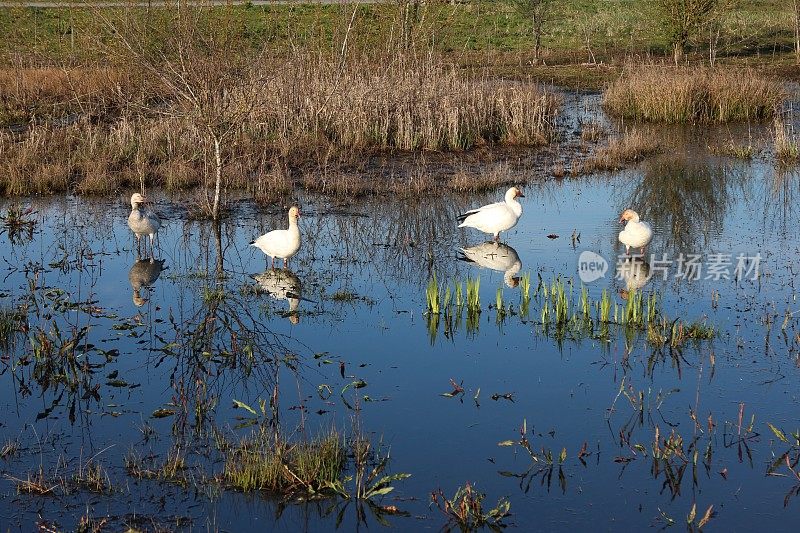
353, 303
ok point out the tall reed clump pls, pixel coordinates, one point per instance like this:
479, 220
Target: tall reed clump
408, 104
787, 149
678, 95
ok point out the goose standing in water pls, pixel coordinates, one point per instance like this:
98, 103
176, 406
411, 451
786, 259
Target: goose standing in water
282, 285
143, 222
494, 218
495, 256
637, 234
281, 243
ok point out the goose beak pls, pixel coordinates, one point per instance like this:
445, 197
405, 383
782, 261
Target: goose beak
520, 195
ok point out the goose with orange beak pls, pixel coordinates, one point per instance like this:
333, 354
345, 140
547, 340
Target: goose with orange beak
497, 217
637, 234
281, 243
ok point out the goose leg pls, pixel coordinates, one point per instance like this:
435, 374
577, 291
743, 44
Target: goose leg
627, 250
138, 245
497, 237
152, 249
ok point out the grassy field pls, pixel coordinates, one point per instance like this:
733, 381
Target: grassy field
496, 33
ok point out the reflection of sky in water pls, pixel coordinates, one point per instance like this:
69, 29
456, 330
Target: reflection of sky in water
380, 256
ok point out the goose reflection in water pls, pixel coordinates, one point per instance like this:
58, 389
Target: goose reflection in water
282, 285
635, 273
495, 256
143, 274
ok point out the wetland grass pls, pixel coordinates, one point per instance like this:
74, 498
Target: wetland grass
297, 122
267, 462
683, 96
432, 295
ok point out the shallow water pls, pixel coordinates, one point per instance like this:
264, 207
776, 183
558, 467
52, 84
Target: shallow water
362, 273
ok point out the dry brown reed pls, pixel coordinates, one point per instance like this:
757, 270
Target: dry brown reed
787, 149
681, 95
309, 114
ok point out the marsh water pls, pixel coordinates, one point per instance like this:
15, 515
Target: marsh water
149, 356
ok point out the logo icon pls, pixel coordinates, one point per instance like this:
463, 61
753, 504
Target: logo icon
591, 266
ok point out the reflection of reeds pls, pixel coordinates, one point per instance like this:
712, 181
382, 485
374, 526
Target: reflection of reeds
631, 146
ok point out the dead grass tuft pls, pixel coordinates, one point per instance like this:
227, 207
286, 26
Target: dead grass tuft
631, 146
681, 95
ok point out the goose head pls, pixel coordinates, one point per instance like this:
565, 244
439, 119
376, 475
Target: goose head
629, 214
137, 200
294, 213
138, 300
513, 193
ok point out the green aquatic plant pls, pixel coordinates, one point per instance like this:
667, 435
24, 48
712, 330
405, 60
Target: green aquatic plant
459, 293
585, 304
473, 293
525, 294
447, 296
432, 295
604, 307
369, 465
499, 304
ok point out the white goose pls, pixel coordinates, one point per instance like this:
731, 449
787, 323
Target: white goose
494, 218
143, 222
281, 243
495, 256
637, 234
